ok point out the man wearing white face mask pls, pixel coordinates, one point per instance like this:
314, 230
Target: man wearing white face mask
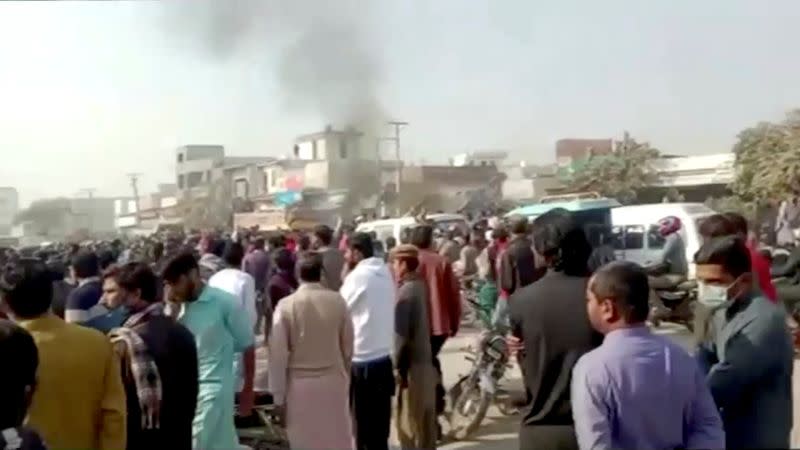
747, 352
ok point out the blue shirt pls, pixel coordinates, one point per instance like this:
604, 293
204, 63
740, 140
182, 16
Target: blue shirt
83, 307
642, 391
221, 329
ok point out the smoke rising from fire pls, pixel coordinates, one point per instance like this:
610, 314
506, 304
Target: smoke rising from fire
325, 63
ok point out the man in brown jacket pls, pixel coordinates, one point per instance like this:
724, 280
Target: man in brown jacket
416, 376
444, 299
332, 257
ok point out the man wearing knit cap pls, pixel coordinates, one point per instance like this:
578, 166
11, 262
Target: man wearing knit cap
413, 362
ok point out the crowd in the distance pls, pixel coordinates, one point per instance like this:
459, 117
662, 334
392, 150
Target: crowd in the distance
159, 350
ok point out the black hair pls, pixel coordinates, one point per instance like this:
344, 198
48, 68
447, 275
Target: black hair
422, 237
309, 267
233, 254
27, 288
218, 247
391, 243
105, 258
158, 250
277, 241
562, 243
282, 258
519, 225
405, 235
258, 243
182, 264
730, 252
362, 242
86, 264
626, 284
324, 234
303, 242
717, 225
138, 276
738, 222
18, 349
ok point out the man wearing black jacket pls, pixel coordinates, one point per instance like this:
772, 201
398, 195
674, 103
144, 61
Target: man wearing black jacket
517, 263
516, 269
550, 318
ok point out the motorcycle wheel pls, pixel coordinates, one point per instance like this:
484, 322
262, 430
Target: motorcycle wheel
469, 404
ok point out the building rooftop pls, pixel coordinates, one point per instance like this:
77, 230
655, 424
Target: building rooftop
328, 131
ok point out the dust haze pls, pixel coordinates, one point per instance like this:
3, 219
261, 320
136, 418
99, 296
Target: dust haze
325, 64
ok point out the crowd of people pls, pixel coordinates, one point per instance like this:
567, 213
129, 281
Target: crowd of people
117, 346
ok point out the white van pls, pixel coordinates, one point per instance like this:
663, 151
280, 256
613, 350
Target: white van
394, 227
636, 236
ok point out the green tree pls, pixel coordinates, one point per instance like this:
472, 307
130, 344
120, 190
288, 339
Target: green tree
620, 174
768, 160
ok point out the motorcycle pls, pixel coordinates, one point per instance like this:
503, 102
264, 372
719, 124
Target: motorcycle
680, 303
469, 399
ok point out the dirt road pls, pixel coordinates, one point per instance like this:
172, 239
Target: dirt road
499, 432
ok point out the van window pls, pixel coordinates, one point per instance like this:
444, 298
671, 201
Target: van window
654, 239
634, 237
629, 237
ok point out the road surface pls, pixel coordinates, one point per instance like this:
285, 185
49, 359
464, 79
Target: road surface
499, 432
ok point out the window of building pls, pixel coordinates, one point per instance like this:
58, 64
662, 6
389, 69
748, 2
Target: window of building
194, 179
343, 148
181, 181
180, 158
296, 151
241, 188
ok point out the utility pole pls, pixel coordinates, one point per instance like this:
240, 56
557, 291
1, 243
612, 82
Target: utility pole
398, 125
90, 210
134, 177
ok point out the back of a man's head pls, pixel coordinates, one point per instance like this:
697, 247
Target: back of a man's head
362, 242
324, 234
717, 225
422, 237
18, 350
27, 288
309, 267
519, 225
561, 242
233, 254
626, 284
86, 264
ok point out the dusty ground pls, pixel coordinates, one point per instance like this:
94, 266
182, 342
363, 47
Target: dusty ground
499, 432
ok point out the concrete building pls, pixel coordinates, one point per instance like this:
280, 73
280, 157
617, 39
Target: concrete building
156, 209
525, 183
494, 158
9, 207
198, 167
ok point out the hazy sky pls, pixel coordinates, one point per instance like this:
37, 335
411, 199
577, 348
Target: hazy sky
90, 91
